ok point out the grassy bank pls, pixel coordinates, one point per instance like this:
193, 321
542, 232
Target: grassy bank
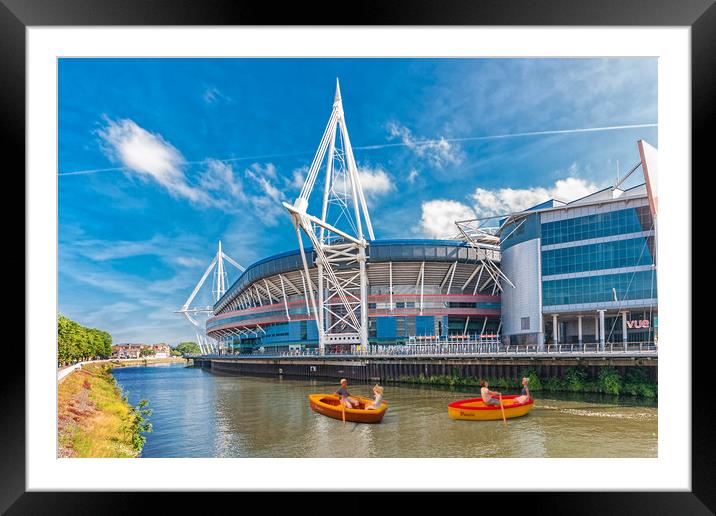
635, 383
94, 419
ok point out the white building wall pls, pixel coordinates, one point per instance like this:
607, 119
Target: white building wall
521, 263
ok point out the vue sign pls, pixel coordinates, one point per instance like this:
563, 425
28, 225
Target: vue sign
644, 323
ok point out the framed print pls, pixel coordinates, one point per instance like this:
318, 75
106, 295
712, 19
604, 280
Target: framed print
437, 250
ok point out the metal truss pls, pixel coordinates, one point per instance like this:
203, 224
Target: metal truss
341, 311
486, 242
206, 343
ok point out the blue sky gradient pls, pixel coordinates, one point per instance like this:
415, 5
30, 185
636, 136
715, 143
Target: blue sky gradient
161, 158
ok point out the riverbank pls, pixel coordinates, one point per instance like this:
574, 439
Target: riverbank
93, 418
130, 362
635, 382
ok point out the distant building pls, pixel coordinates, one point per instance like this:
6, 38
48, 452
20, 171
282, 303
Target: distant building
135, 350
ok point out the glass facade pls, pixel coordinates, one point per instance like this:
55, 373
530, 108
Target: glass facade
605, 255
381, 330
630, 220
598, 289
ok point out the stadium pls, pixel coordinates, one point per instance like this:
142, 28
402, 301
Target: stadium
418, 290
576, 273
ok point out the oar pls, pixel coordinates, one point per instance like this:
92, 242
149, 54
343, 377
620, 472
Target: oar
504, 419
343, 407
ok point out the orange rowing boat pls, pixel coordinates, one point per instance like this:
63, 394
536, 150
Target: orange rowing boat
330, 405
474, 409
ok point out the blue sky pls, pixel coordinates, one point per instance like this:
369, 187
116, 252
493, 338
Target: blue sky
161, 158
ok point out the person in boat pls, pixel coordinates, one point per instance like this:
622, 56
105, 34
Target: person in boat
487, 394
346, 398
525, 394
378, 391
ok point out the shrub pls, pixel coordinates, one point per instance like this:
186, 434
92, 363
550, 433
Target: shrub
140, 424
555, 384
609, 381
575, 378
535, 384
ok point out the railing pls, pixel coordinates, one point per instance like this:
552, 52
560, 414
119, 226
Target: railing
490, 348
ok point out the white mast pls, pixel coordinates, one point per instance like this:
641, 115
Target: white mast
342, 309
207, 344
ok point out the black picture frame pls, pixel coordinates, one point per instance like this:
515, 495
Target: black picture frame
17, 15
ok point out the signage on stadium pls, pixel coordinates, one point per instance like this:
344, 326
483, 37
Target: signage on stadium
644, 323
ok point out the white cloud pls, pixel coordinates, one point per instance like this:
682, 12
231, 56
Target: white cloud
412, 176
259, 174
439, 153
266, 206
507, 200
220, 180
150, 155
439, 216
188, 261
212, 95
375, 181
298, 178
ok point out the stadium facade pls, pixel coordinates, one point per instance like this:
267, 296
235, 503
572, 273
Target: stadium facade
418, 290
576, 272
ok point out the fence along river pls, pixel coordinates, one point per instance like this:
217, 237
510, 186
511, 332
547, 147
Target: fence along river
198, 413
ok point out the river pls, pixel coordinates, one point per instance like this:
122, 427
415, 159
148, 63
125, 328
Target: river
197, 413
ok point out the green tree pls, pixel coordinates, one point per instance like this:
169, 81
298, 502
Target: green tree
70, 340
188, 348
75, 342
147, 352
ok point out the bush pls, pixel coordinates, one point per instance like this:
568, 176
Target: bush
609, 381
535, 383
555, 384
140, 424
575, 378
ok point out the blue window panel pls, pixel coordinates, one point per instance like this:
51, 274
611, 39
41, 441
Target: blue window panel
385, 327
598, 289
424, 325
605, 255
312, 329
294, 332
630, 220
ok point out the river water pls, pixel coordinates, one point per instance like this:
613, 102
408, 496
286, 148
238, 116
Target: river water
197, 413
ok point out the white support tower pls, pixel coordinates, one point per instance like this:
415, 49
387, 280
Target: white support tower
206, 343
341, 311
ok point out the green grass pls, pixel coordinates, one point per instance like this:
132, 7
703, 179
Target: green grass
94, 419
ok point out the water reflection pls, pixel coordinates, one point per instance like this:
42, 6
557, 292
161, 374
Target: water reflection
201, 414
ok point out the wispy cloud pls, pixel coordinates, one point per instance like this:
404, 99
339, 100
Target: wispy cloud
225, 187
149, 155
218, 185
438, 152
212, 95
